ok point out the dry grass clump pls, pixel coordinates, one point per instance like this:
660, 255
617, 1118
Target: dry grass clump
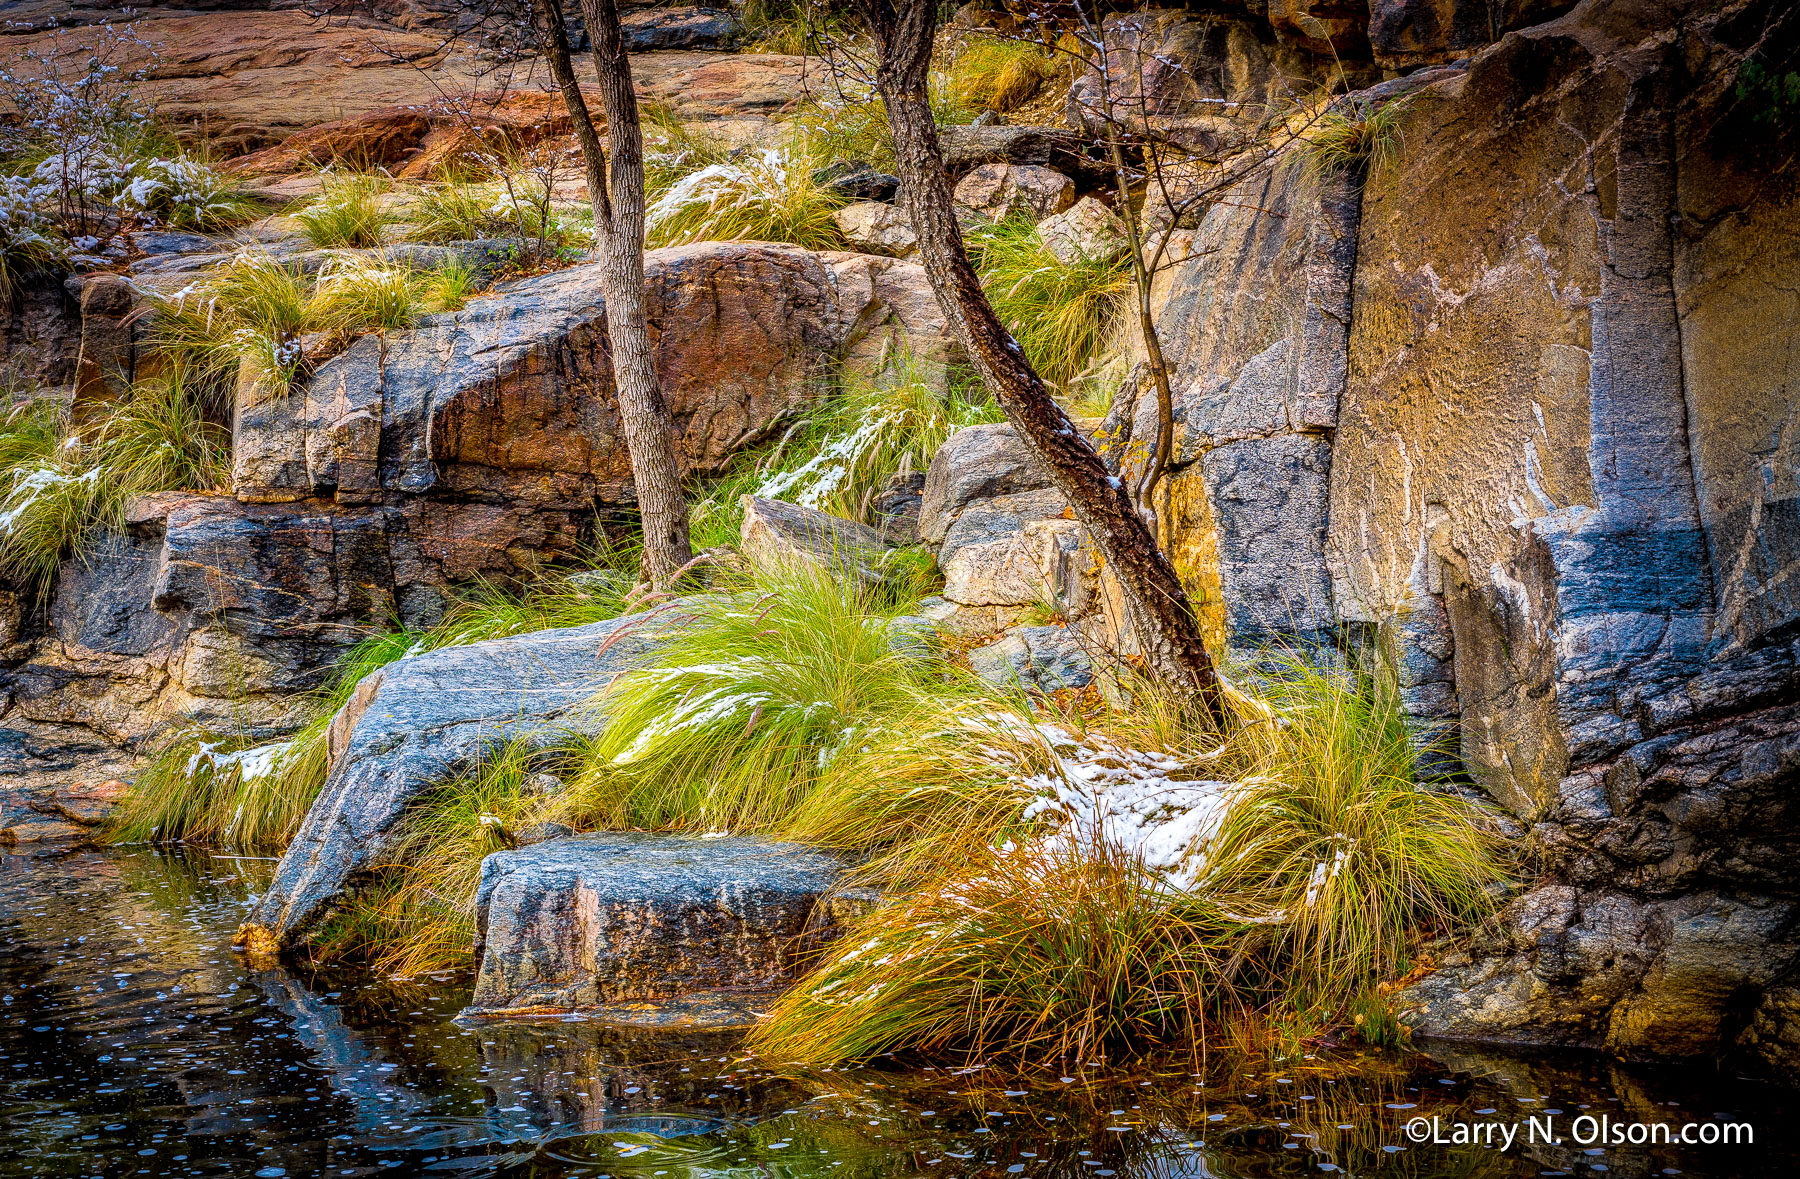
772, 196
348, 212
1356, 134
1326, 864
989, 73
1052, 955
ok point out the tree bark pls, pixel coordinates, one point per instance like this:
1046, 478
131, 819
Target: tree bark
616, 190
1160, 614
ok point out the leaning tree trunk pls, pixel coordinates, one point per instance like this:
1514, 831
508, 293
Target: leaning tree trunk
1160, 613
617, 193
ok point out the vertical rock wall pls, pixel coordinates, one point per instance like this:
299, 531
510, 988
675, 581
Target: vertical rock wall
1520, 414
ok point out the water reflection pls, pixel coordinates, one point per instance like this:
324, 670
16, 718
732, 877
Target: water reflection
132, 1042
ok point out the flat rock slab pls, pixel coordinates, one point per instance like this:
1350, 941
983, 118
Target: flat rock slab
414, 722
579, 924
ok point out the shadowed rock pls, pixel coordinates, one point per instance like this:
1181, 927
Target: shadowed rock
621, 917
416, 721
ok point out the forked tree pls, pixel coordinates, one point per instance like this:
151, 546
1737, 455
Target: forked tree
1161, 615
615, 182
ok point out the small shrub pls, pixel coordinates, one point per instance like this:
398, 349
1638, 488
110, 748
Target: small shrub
1060, 314
348, 213
768, 197
29, 244
187, 193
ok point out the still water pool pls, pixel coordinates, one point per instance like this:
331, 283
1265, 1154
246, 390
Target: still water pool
133, 1042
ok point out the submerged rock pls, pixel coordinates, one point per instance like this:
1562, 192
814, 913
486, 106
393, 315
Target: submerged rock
624, 917
415, 722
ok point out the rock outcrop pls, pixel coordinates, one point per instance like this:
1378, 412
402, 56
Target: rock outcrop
478, 444
599, 920
415, 722
1529, 444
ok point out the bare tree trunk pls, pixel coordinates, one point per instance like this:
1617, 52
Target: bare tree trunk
1163, 620
617, 193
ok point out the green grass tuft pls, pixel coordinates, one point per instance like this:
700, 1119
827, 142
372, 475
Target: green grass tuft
348, 212
61, 487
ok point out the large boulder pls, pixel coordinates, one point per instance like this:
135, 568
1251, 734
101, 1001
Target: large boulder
679, 27
996, 552
1088, 231
876, 227
999, 191
580, 923
975, 463
414, 722
510, 399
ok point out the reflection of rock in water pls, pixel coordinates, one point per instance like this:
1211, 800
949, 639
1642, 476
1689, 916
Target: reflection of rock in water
1535, 1083
584, 1078
357, 1072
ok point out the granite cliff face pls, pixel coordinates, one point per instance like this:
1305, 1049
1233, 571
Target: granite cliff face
1517, 413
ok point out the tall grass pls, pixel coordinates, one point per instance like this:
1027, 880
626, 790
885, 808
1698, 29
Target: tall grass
768, 197
241, 792
1326, 864
61, 487
348, 212
1060, 313
1061, 956
851, 126
674, 149
750, 709
453, 211
1334, 850
869, 429
255, 310
999, 74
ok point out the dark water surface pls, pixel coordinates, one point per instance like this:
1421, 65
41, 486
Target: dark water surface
133, 1042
